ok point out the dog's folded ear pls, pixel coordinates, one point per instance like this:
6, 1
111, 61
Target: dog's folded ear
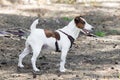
78, 20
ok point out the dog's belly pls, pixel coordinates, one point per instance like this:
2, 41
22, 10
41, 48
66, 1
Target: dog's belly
45, 46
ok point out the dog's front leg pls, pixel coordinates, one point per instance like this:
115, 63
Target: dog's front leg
63, 60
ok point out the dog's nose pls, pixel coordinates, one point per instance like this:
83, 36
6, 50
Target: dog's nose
93, 29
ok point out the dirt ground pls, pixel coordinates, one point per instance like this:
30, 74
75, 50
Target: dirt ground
90, 58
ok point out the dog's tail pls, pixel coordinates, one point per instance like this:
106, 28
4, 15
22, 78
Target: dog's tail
33, 26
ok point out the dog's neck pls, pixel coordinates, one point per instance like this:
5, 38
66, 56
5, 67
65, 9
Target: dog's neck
71, 29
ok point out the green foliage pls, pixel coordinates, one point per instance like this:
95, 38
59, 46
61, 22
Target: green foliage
119, 76
113, 32
109, 32
100, 33
67, 19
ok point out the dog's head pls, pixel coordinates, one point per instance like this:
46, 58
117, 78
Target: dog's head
82, 24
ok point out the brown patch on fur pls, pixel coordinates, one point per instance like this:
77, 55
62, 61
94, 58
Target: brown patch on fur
53, 34
79, 22
79, 25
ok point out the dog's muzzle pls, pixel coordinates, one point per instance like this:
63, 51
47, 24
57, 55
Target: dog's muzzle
88, 32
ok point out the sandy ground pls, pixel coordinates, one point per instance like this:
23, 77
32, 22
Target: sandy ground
89, 58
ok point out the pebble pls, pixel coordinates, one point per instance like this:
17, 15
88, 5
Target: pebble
114, 45
103, 26
116, 62
34, 75
112, 68
77, 75
59, 75
84, 73
2, 50
15, 75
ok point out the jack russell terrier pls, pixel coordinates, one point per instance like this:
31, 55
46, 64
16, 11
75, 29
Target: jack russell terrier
61, 40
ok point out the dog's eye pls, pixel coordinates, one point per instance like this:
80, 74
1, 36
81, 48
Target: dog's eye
83, 22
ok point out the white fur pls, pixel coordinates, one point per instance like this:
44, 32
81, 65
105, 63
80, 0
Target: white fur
37, 39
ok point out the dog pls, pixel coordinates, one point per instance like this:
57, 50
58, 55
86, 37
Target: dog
60, 40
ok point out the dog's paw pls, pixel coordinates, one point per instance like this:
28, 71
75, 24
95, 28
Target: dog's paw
21, 65
63, 70
36, 70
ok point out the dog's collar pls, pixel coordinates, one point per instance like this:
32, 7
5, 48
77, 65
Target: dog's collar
69, 37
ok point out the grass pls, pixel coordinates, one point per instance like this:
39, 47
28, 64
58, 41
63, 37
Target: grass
113, 32
109, 32
67, 19
100, 33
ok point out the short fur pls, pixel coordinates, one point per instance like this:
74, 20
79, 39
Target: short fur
39, 37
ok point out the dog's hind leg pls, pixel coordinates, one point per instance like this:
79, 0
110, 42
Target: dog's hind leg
36, 50
25, 52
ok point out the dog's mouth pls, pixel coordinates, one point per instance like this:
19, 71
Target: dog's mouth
88, 33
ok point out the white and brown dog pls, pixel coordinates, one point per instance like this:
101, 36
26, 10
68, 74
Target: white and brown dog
61, 40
